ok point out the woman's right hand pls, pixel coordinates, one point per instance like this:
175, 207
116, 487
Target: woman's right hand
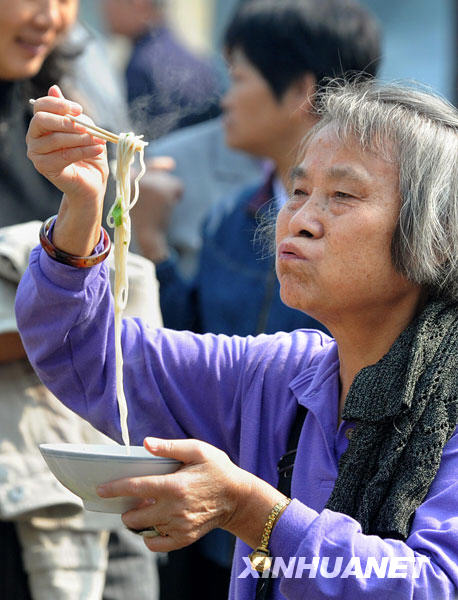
61, 150
76, 163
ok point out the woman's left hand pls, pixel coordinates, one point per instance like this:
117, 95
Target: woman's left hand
208, 491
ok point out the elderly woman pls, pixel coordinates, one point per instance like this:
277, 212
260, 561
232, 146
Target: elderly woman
367, 244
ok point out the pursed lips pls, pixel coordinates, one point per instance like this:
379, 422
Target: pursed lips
289, 251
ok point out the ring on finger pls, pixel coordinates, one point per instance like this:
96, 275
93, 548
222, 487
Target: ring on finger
149, 532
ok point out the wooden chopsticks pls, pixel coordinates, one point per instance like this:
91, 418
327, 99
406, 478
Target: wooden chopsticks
99, 132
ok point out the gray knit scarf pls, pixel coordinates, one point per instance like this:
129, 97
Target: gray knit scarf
406, 409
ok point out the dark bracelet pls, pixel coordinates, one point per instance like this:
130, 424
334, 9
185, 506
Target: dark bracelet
71, 259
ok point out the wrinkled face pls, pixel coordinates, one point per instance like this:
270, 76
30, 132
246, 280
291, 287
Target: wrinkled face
334, 234
254, 120
29, 31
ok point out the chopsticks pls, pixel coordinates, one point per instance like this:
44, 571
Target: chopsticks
99, 132
102, 133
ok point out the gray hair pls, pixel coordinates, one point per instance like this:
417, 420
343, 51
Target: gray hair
419, 131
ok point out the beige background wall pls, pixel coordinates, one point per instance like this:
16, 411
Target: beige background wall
193, 22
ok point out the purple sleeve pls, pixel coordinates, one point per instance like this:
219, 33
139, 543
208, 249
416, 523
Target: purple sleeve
367, 567
65, 318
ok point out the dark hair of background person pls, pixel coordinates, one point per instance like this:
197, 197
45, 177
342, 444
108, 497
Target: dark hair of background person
285, 38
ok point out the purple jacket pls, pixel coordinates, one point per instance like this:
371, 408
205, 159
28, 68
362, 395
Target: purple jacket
241, 395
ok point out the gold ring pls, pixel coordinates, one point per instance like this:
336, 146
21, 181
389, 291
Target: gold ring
148, 532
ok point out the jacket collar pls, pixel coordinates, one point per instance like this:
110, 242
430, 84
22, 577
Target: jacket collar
263, 194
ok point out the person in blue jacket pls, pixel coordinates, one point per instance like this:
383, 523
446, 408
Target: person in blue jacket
279, 54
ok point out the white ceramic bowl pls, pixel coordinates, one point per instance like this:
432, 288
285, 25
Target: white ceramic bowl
82, 467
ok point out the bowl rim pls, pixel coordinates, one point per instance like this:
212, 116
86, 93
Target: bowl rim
65, 451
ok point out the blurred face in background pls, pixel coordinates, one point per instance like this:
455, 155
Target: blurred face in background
29, 31
255, 120
131, 18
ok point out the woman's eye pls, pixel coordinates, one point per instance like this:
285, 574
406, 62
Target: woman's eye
342, 195
298, 192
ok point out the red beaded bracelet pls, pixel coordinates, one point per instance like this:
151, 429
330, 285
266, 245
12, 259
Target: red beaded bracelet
71, 259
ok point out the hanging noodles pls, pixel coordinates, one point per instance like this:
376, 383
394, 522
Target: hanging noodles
119, 219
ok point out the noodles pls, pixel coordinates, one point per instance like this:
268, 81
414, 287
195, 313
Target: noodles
119, 219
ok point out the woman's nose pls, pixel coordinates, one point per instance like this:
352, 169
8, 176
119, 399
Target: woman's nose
49, 14
307, 220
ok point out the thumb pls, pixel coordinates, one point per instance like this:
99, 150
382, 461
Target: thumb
187, 451
55, 92
70, 107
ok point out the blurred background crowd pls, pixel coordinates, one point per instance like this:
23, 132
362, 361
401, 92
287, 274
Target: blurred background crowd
419, 37
225, 88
